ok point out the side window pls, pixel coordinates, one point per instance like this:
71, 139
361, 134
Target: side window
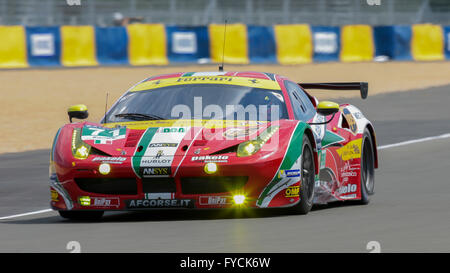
302, 106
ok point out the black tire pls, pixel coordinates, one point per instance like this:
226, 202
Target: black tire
367, 168
307, 184
81, 215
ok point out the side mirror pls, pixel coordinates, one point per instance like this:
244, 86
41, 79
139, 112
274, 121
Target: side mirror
326, 108
79, 111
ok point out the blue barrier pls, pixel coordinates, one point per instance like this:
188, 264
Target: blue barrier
393, 41
187, 44
447, 42
261, 41
43, 46
111, 45
327, 43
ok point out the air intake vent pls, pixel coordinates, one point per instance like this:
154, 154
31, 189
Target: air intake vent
108, 185
133, 138
213, 184
158, 185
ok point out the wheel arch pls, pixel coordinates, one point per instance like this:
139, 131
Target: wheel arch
308, 132
374, 143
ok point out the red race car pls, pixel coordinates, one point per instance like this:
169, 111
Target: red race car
214, 140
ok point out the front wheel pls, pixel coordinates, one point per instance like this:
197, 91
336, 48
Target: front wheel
81, 215
307, 178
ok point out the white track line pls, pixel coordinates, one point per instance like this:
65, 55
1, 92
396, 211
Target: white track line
413, 141
25, 214
379, 148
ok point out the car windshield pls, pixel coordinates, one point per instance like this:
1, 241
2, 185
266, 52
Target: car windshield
200, 101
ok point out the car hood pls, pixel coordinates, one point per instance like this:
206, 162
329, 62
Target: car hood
170, 137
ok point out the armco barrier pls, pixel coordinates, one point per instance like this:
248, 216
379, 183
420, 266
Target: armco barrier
158, 44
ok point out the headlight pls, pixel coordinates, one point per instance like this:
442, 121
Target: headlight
80, 150
252, 146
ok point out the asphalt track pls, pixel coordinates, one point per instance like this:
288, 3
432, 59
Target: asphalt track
410, 211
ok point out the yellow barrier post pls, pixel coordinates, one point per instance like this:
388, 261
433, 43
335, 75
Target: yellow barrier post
13, 50
427, 43
78, 46
357, 43
294, 44
236, 51
147, 44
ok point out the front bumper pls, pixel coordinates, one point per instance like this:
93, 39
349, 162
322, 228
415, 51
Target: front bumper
82, 187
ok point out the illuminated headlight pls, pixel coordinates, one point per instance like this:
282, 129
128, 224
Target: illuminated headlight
210, 168
104, 168
239, 199
252, 146
80, 150
84, 200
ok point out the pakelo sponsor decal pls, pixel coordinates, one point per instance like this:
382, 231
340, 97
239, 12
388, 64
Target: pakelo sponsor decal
155, 171
102, 135
112, 160
210, 158
349, 188
351, 150
293, 191
159, 203
214, 200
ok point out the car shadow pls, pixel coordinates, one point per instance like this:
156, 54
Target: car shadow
165, 215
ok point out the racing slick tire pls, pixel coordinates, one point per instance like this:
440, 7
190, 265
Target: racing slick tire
81, 215
367, 168
307, 177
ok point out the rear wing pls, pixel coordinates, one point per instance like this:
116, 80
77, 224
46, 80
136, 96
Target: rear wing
363, 87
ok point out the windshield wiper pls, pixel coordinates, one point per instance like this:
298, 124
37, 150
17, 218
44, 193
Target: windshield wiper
139, 116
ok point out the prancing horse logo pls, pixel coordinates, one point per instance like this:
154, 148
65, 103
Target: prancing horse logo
159, 154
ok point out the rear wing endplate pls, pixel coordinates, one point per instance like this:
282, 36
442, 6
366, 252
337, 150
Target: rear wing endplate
363, 87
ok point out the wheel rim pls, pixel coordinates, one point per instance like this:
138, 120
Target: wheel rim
367, 166
308, 172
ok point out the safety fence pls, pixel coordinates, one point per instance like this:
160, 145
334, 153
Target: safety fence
158, 44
